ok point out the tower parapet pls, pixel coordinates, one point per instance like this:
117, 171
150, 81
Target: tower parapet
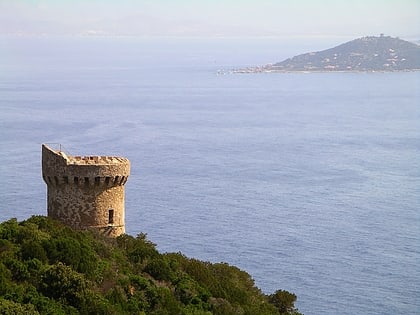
86, 192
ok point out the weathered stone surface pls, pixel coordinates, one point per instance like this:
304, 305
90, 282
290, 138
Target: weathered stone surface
86, 192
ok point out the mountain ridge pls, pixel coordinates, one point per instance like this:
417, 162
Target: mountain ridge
365, 54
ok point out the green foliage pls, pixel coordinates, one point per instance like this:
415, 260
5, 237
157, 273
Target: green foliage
138, 249
9, 229
284, 301
33, 249
159, 269
61, 282
47, 268
8, 307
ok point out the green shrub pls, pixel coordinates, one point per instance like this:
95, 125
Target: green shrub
138, 249
9, 229
12, 308
48, 268
284, 301
33, 249
159, 269
18, 269
61, 282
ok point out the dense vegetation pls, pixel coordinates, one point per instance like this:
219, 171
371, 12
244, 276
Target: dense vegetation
47, 268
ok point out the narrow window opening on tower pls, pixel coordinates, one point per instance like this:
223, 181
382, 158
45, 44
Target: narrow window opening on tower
111, 216
97, 181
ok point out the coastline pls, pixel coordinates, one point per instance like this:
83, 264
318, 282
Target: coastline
306, 71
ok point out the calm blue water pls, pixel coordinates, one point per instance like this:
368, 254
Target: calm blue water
310, 182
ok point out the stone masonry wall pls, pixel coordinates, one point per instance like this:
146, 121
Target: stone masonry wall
86, 192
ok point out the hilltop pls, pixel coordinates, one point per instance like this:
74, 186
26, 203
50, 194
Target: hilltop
48, 268
382, 53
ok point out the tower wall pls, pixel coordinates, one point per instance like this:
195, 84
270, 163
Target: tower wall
86, 192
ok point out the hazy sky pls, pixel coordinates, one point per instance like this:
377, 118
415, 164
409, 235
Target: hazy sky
212, 17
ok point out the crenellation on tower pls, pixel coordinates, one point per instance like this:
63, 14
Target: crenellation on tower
86, 191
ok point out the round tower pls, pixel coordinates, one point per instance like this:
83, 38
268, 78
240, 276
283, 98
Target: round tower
86, 192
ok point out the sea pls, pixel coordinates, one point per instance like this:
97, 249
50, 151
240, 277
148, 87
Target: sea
310, 182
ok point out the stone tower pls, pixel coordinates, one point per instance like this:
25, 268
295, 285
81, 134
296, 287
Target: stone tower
86, 192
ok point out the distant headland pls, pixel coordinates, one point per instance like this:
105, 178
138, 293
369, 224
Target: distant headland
366, 54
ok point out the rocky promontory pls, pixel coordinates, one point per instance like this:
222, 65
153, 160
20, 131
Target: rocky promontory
380, 53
